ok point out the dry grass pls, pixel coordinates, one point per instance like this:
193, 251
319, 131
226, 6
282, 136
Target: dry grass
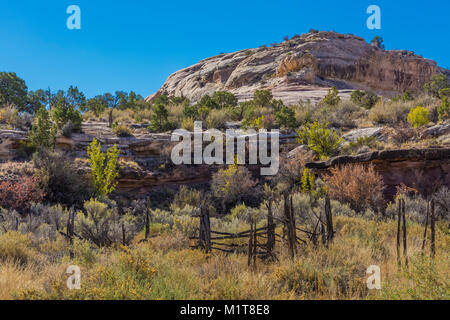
164, 268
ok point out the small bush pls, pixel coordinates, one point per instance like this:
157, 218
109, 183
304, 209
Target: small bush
233, 184
389, 112
18, 195
332, 98
60, 179
418, 117
359, 186
15, 247
323, 141
122, 130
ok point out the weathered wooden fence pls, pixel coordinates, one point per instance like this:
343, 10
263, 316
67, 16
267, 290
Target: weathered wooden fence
261, 241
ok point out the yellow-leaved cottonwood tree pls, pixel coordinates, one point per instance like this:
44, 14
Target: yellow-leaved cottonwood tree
103, 168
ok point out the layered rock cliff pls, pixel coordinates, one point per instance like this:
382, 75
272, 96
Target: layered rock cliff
423, 169
304, 68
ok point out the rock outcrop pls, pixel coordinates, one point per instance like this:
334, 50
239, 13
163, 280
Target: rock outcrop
422, 169
304, 68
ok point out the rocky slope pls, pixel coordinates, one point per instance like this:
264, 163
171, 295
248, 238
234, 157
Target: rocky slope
304, 68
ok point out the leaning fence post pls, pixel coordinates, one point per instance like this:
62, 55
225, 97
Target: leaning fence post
433, 230
329, 217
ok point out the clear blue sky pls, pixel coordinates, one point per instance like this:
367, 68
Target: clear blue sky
136, 45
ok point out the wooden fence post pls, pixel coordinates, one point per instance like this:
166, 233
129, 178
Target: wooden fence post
329, 219
293, 227
405, 251
426, 226
288, 222
147, 219
70, 231
250, 245
205, 229
433, 230
270, 230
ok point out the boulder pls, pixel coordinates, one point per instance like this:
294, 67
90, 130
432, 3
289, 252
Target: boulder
354, 135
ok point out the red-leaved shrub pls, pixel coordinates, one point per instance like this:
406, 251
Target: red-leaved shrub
19, 194
358, 185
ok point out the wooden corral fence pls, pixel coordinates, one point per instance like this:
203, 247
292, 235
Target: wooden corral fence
261, 241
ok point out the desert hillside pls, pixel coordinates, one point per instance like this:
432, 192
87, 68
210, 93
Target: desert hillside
303, 67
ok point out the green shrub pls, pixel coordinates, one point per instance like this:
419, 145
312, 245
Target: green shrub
224, 99
160, 118
43, 133
63, 113
332, 98
418, 116
323, 141
365, 99
437, 82
444, 109
286, 117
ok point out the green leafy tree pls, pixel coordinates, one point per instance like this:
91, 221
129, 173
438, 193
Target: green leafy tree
97, 105
444, 109
36, 99
224, 99
207, 101
63, 112
437, 82
104, 169
286, 117
332, 98
418, 116
323, 141
13, 90
262, 98
43, 133
159, 120
190, 112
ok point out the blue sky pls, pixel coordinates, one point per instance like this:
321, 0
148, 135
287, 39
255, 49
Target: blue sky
135, 45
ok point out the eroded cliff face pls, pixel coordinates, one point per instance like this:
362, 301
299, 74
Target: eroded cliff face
304, 68
423, 169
